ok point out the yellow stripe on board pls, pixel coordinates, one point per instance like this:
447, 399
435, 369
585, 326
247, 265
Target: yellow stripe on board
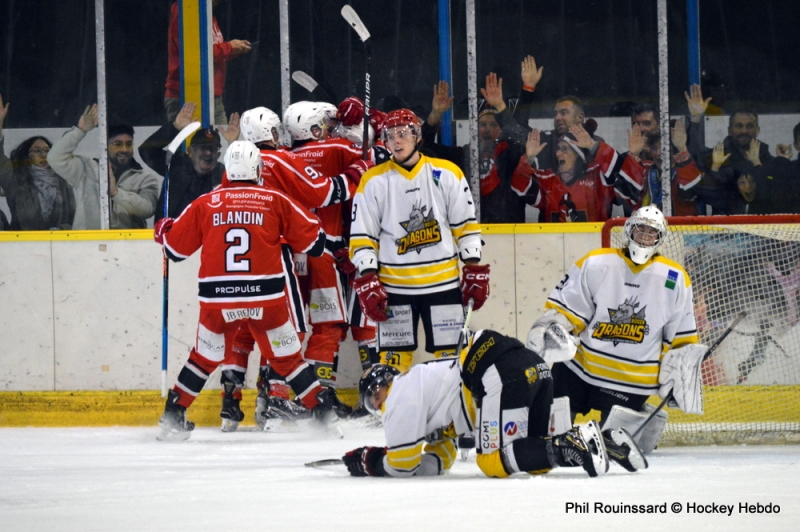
110, 408
190, 58
54, 236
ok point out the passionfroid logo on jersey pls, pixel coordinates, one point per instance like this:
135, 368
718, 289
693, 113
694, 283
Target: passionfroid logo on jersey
626, 325
423, 231
672, 278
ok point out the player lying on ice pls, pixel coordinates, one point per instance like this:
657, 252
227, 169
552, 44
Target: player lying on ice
632, 311
497, 389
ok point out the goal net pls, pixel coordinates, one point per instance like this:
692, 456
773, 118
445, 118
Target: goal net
751, 383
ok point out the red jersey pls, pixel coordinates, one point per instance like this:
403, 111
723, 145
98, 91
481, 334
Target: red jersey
240, 228
587, 198
222, 52
685, 175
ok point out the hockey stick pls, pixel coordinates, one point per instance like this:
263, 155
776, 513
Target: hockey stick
742, 315
311, 85
462, 335
184, 134
353, 19
326, 462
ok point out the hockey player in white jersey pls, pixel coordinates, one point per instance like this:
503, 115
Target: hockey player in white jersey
497, 389
412, 219
632, 312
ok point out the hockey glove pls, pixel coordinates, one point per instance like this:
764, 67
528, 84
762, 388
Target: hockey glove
365, 462
376, 120
350, 112
356, 170
162, 227
343, 262
680, 374
372, 297
475, 284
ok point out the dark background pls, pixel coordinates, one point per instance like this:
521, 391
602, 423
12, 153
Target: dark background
604, 51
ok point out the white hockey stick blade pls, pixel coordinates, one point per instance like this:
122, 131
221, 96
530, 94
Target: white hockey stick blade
326, 462
353, 19
184, 134
304, 80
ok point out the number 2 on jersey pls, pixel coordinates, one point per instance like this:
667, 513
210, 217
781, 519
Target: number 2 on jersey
240, 240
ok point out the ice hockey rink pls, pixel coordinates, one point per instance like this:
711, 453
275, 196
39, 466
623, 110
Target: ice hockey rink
120, 479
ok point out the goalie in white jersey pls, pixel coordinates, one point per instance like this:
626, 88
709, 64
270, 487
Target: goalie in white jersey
632, 311
412, 219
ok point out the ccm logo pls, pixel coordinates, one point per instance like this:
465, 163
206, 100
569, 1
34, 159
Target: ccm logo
367, 287
477, 276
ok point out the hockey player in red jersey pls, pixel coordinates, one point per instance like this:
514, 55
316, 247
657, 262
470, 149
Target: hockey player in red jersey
240, 228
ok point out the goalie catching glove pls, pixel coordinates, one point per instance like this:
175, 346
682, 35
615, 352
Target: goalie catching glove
680, 375
365, 462
550, 338
372, 297
475, 284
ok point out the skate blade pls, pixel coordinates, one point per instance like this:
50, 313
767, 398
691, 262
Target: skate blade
171, 435
229, 425
635, 457
591, 434
464, 454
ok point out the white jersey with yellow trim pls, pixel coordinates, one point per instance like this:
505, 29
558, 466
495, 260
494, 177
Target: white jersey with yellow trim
413, 225
428, 398
627, 315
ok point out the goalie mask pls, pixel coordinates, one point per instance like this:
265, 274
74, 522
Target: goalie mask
243, 161
645, 232
308, 120
261, 125
378, 377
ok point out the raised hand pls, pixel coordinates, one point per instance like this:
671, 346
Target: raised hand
3, 112
718, 157
88, 120
679, 136
231, 133
754, 152
184, 117
697, 105
493, 92
533, 146
530, 74
441, 102
582, 137
636, 140
781, 150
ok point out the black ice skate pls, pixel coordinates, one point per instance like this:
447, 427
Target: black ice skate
173, 423
622, 449
580, 446
231, 413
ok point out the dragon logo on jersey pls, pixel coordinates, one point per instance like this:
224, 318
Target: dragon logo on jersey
423, 231
627, 325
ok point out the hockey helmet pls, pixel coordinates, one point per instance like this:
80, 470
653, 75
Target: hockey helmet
261, 125
308, 120
243, 161
399, 118
372, 379
641, 245
354, 134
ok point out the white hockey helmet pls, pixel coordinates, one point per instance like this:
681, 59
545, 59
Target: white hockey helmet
243, 161
647, 246
308, 120
261, 125
354, 134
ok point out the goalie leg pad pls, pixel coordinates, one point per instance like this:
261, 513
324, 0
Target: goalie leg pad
631, 420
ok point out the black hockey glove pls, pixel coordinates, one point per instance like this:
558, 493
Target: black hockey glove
366, 462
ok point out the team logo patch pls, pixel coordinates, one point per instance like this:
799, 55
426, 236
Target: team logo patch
510, 429
422, 231
626, 324
437, 175
672, 278
532, 375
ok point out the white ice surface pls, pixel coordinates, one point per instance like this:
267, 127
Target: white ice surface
120, 479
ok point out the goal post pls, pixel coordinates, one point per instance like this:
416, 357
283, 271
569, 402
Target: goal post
751, 383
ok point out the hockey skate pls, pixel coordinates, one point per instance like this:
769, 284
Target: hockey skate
329, 410
173, 423
465, 443
623, 450
231, 413
580, 446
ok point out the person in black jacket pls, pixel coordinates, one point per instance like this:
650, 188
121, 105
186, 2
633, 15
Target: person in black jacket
191, 174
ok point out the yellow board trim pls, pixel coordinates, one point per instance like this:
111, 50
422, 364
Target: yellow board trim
58, 236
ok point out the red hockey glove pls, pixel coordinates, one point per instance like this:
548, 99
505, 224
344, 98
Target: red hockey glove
376, 120
343, 262
350, 112
372, 297
475, 284
162, 227
366, 462
356, 170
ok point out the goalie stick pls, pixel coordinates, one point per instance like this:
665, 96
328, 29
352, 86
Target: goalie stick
353, 19
742, 315
173, 146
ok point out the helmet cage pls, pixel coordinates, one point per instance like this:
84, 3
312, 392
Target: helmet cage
648, 216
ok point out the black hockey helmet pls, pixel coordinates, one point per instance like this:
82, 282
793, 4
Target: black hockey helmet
372, 379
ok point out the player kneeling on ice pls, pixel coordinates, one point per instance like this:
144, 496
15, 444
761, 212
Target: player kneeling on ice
498, 390
240, 227
628, 307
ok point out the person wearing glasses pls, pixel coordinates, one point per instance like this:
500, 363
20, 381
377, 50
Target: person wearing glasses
38, 198
193, 173
132, 190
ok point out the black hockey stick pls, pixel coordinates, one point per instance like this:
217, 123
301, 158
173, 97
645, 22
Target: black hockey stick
179, 139
353, 19
742, 315
326, 462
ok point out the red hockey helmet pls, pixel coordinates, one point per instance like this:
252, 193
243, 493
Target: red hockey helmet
402, 117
